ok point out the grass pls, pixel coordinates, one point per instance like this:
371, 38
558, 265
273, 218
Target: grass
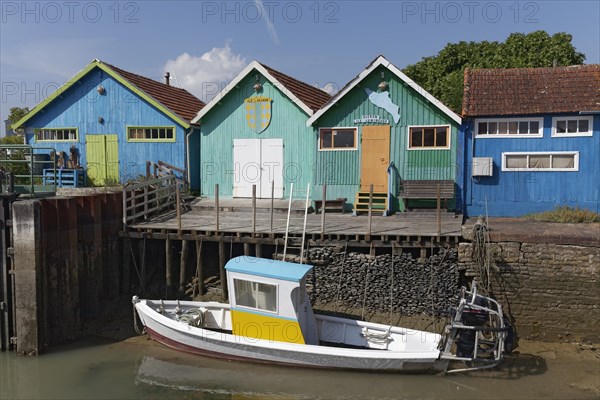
565, 214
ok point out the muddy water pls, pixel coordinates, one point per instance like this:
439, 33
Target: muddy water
141, 369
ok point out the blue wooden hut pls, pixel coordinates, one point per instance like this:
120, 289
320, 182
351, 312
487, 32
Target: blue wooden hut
113, 121
532, 140
383, 129
254, 133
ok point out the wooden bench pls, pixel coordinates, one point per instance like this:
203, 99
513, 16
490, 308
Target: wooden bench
426, 190
332, 204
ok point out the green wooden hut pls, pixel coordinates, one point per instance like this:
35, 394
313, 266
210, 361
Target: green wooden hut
383, 129
254, 132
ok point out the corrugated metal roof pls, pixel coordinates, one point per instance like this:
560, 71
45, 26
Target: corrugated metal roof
268, 268
519, 91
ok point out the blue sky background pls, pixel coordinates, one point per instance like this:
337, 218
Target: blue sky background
204, 44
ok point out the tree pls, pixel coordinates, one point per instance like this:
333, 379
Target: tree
442, 74
16, 113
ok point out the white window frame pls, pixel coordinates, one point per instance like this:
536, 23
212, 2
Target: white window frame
262, 310
448, 144
550, 153
355, 128
578, 118
540, 134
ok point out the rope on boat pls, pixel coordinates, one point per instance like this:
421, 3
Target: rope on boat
193, 317
392, 285
377, 337
135, 318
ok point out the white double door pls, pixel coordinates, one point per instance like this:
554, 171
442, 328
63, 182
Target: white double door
257, 162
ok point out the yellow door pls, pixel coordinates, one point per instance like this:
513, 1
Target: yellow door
102, 153
375, 158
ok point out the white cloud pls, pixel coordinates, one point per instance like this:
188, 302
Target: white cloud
204, 76
265, 16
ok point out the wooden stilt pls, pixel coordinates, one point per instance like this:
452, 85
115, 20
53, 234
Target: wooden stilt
182, 266
247, 249
168, 268
222, 258
199, 268
258, 250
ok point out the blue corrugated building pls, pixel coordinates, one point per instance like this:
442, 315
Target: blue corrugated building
113, 121
532, 139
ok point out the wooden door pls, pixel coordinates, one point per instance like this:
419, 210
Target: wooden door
102, 152
257, 162
375, 158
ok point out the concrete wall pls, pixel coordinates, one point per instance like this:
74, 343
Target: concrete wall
550, 291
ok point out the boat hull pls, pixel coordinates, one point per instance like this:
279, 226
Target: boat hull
211, 343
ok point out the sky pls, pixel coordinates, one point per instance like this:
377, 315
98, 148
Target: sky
204, 44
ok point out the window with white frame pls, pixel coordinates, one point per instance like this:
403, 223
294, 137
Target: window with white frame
541, 161
337, 139
257, 295
572, 126
509, 127
56, 135
429, 137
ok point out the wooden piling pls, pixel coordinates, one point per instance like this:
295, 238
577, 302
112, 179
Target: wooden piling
182, 266
370, 210
217, 207
178, 207
168, 268
199, 268
323, 198
223, 276
272, 200
253, 210
438, 213
258, 250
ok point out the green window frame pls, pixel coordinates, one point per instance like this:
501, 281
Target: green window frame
56, 134
151, 133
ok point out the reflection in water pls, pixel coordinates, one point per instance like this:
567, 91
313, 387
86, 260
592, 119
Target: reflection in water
142, 369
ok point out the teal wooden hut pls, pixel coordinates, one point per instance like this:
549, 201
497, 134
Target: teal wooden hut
254, 132
383, 129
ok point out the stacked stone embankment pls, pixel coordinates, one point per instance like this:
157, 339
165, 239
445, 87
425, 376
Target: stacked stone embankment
407, 285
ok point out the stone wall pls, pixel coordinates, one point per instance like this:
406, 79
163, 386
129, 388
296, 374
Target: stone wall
549, 291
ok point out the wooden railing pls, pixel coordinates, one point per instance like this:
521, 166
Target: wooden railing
149, 197
161, 168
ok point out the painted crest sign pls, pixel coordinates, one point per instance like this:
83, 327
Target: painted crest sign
258, 112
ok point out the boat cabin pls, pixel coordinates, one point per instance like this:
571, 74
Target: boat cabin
269, 301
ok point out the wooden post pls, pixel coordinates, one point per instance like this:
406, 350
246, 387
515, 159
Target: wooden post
370, 207
258, 250
222, 274
272, 200
247, 249
148, 166
178, 206
182, 266
217, 206
199, 268
126, 264
323, 211
253, 210
438, 214
168, 268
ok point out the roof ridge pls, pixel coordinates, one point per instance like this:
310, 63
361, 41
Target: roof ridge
292, 78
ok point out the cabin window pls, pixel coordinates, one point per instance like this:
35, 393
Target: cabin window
572, 126
56, 135
556, 161
260, 296
151, 134
509, 127
429, 137
337, 139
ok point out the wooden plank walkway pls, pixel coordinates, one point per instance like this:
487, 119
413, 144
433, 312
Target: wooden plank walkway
201, 220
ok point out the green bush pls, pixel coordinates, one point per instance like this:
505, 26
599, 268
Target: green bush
565, 214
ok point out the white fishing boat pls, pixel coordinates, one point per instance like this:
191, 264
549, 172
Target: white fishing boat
270, 319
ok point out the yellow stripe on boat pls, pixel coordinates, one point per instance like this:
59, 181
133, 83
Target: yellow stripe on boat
266, 327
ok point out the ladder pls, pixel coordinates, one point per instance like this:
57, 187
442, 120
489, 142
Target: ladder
287, 225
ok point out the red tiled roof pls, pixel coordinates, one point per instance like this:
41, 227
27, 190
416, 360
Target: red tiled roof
514, 91
179, 101
310, 95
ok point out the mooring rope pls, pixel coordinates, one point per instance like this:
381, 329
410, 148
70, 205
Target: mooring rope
480, 252
365, 291
136, 267
392, 286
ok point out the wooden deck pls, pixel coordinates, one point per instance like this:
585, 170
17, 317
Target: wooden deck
414, 229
